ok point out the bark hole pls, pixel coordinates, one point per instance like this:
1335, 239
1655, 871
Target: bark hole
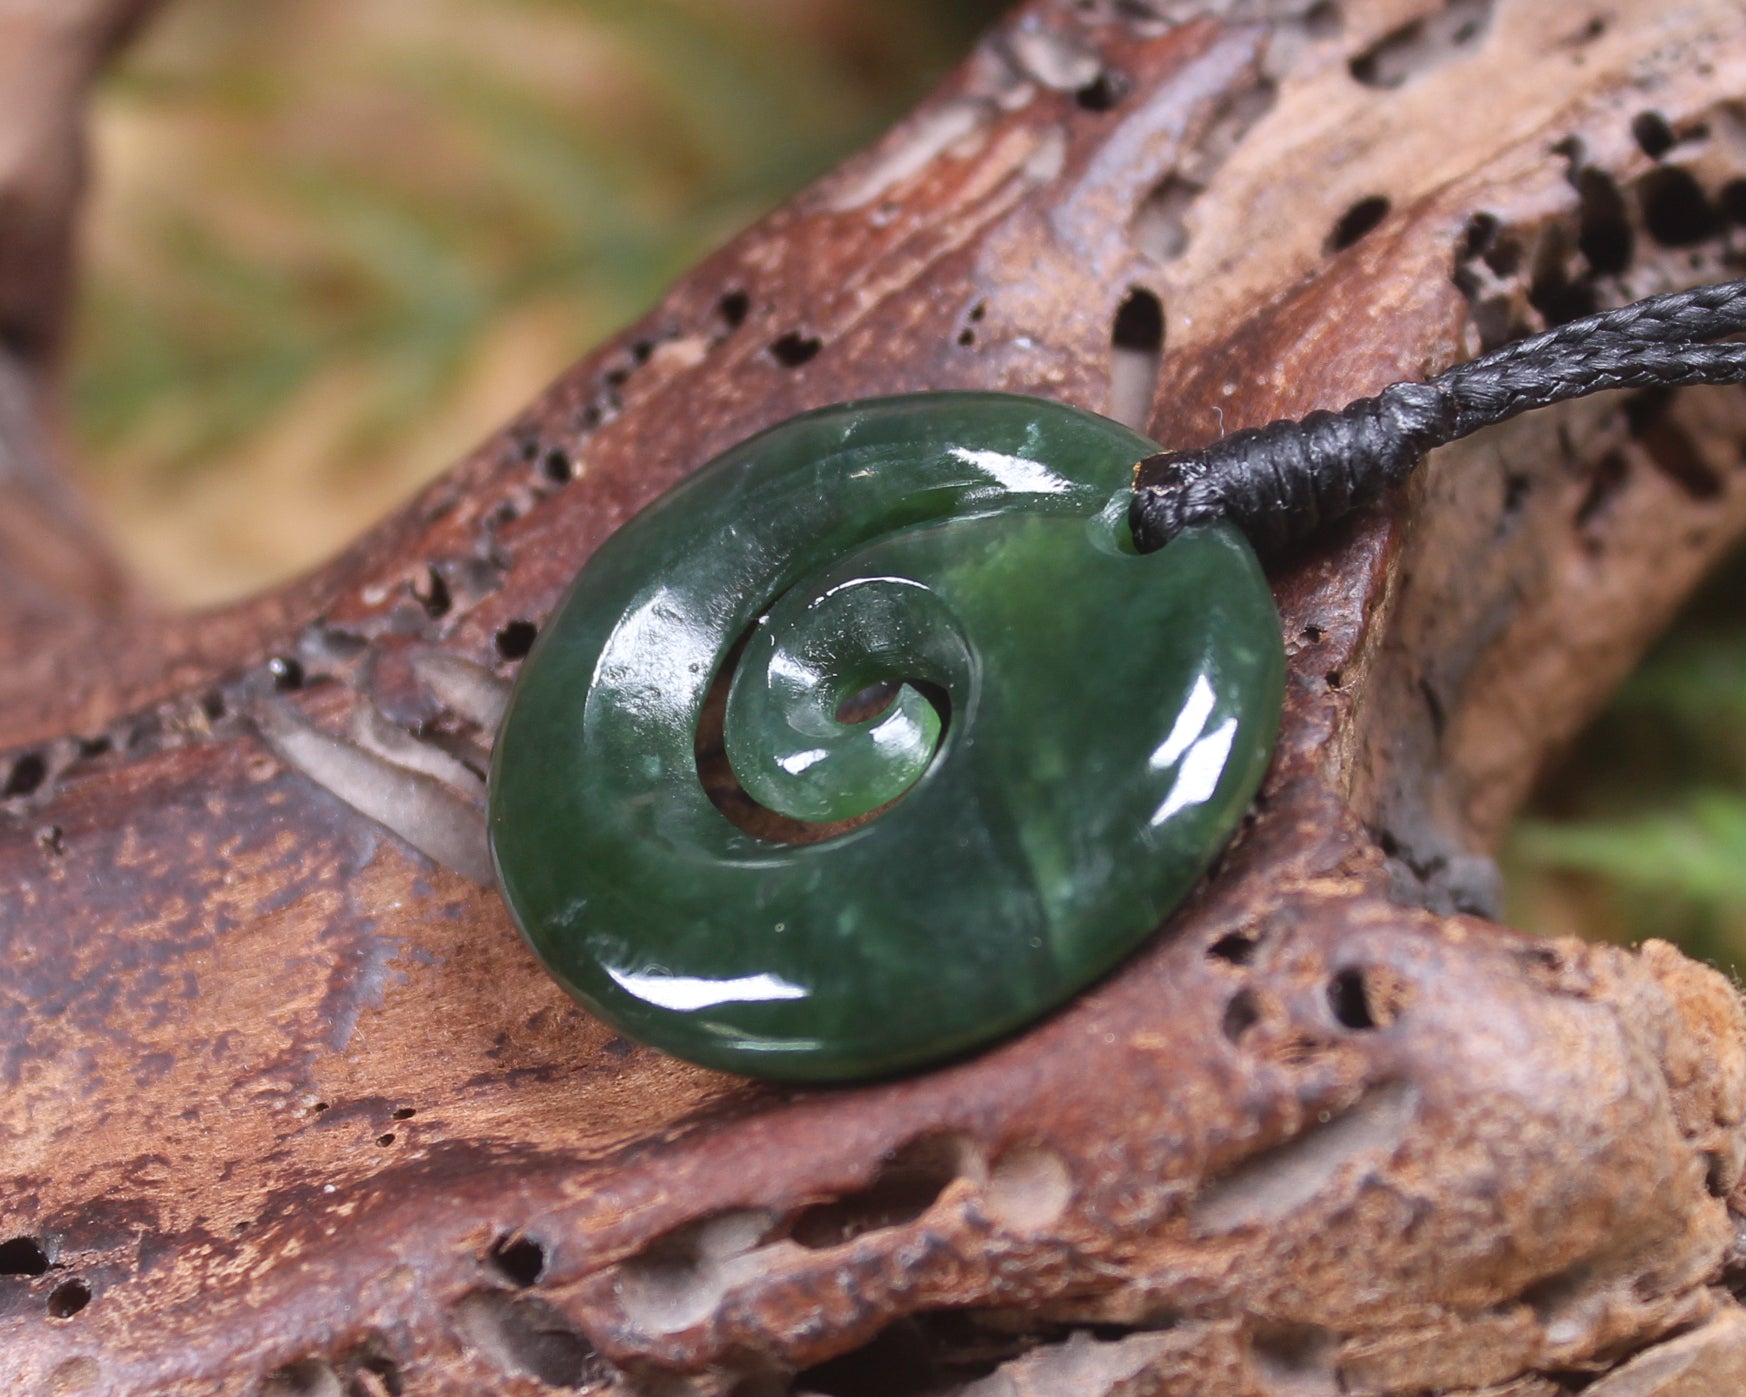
925, 1355
1731, 201
1358, 221
1159, 231
1279, 1181
1136, 350
1297, 1358
1604, 235
1028, 1188
1611, 474
516, 639
556, 466
1242, 1013
433, 594
906, 1186
1654, 136
1668, 445
519, 1260
23, 1256
524, 1334
68, 1298
310, 1377
1103, 93
1423, 44
28, 773
733, 308
1367, 997
794, 349
1676, 211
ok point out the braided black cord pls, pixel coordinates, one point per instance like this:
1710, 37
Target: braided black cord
1282, 482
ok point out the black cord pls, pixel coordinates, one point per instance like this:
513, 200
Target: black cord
1282, 482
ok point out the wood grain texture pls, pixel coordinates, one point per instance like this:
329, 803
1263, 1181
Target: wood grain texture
286, 1097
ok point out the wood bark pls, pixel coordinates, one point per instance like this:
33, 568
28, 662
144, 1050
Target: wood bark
288, 1108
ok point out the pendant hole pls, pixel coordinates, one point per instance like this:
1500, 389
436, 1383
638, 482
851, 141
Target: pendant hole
866, 704
722, 786
1110, 528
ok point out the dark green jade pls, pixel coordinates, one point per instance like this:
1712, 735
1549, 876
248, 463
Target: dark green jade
1077, 733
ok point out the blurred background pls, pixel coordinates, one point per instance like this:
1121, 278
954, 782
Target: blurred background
1641, 831
334, 244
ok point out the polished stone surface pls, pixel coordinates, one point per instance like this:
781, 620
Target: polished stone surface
1082, 730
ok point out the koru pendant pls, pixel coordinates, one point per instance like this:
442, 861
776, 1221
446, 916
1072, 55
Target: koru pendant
1075, 732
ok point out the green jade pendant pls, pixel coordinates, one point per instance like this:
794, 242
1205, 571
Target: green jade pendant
1078, 732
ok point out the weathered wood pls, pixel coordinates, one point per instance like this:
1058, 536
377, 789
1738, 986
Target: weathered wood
287, 1098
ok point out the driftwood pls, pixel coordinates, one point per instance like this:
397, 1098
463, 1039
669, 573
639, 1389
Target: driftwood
287, 1108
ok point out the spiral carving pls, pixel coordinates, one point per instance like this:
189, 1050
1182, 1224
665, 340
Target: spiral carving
1074, 732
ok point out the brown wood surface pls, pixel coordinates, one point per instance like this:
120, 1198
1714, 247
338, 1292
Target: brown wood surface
283, 1096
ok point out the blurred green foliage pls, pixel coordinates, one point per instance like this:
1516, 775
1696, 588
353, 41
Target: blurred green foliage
334, 199
719, 112
1642, 832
